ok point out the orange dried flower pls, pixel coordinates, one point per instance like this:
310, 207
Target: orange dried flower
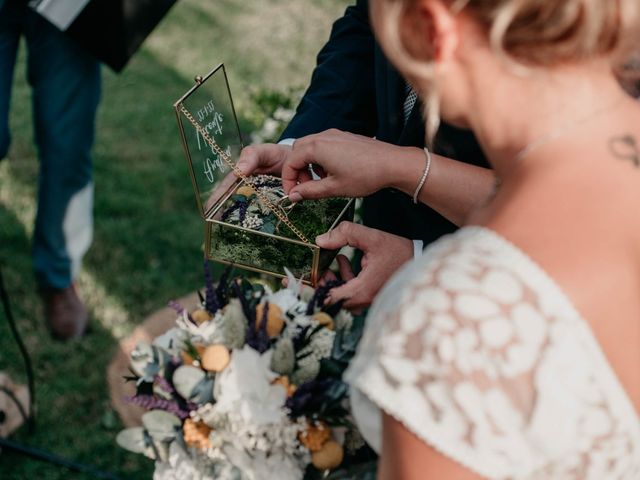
200, 316
316, 435
215, 358
196, 434
289, 387
275, 319
329, 456
324, 319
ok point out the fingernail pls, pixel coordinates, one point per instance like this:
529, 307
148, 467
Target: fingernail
295, 197
322, 238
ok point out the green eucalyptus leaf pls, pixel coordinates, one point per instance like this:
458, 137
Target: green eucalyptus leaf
268, 227
132, 439
162, 426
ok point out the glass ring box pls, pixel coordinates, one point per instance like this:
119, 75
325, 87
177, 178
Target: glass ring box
249, 221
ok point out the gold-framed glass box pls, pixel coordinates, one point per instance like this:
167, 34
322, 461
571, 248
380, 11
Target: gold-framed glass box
248, 220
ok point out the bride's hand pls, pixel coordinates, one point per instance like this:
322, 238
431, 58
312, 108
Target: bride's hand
267, 158
349, 166
383, 254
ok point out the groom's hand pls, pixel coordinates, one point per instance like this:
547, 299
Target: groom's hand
383, 254
267, 158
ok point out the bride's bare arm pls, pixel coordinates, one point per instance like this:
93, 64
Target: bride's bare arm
406, 457
355, 166
452, 188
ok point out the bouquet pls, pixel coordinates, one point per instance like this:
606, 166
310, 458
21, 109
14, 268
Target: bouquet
248, 386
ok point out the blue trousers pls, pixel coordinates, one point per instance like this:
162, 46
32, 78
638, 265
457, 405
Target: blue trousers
65, 82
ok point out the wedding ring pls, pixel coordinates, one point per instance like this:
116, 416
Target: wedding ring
286, 208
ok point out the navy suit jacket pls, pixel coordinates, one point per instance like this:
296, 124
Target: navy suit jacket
354, 88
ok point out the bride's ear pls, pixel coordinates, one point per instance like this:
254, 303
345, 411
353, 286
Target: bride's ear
428, 31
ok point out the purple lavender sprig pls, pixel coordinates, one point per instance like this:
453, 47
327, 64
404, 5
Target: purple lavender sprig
242, 211
262, 337
300, 339
222, 291
180, 310
249, 313
257, 337
235, 206
164, 384
149, 402
211, 302
309, 397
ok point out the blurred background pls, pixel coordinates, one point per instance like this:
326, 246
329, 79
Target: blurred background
148, 233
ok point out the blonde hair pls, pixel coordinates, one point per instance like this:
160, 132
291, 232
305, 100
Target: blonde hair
526, 32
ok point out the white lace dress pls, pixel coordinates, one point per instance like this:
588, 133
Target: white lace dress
478, 352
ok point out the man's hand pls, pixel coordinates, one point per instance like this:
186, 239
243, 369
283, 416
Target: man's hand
384, 253
267, 158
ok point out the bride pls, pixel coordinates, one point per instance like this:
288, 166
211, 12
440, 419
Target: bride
511, 349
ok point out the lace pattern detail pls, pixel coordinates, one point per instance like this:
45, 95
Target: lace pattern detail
477, 351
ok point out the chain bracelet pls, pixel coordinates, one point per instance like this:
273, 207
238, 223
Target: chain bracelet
212, 143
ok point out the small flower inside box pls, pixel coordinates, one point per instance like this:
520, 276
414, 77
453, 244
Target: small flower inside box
249, 221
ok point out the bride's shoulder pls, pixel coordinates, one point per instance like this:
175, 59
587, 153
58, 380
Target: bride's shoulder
475, 262
472, 297
472, 347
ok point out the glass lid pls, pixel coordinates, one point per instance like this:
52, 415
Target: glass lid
206, 110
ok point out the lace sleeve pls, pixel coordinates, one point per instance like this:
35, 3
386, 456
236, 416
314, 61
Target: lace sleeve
459, 350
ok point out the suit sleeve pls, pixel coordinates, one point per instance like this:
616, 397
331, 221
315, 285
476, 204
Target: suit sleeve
342, 89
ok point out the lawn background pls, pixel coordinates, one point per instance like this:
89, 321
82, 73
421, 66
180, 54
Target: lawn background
148, 235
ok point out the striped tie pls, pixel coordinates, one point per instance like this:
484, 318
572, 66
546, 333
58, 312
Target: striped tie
409, 102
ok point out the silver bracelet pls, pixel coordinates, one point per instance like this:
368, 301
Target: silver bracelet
424, 175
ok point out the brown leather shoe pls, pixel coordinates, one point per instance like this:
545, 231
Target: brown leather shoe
66, 315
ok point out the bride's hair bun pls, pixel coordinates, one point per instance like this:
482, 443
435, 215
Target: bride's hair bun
543, 32
548, 32
527, 32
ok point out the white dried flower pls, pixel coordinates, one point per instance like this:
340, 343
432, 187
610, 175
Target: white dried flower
205, 333
252, 222
344, 320
245, 387
181, 466
306, 370
321, 343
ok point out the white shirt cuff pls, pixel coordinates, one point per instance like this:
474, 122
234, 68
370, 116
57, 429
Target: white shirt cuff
289, 143
418, 245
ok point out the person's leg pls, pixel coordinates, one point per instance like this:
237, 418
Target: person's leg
66, 93
11, 18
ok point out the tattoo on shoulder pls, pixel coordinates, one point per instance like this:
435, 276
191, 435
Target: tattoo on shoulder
625, 147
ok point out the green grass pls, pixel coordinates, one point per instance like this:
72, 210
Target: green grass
148, 234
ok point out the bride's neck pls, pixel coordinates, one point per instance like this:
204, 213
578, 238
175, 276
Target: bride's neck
515, 113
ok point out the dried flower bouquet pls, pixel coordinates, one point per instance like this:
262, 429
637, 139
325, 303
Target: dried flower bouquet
248, 386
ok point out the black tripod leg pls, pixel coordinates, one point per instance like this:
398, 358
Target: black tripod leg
45, 456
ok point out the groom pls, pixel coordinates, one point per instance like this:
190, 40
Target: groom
355, 89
